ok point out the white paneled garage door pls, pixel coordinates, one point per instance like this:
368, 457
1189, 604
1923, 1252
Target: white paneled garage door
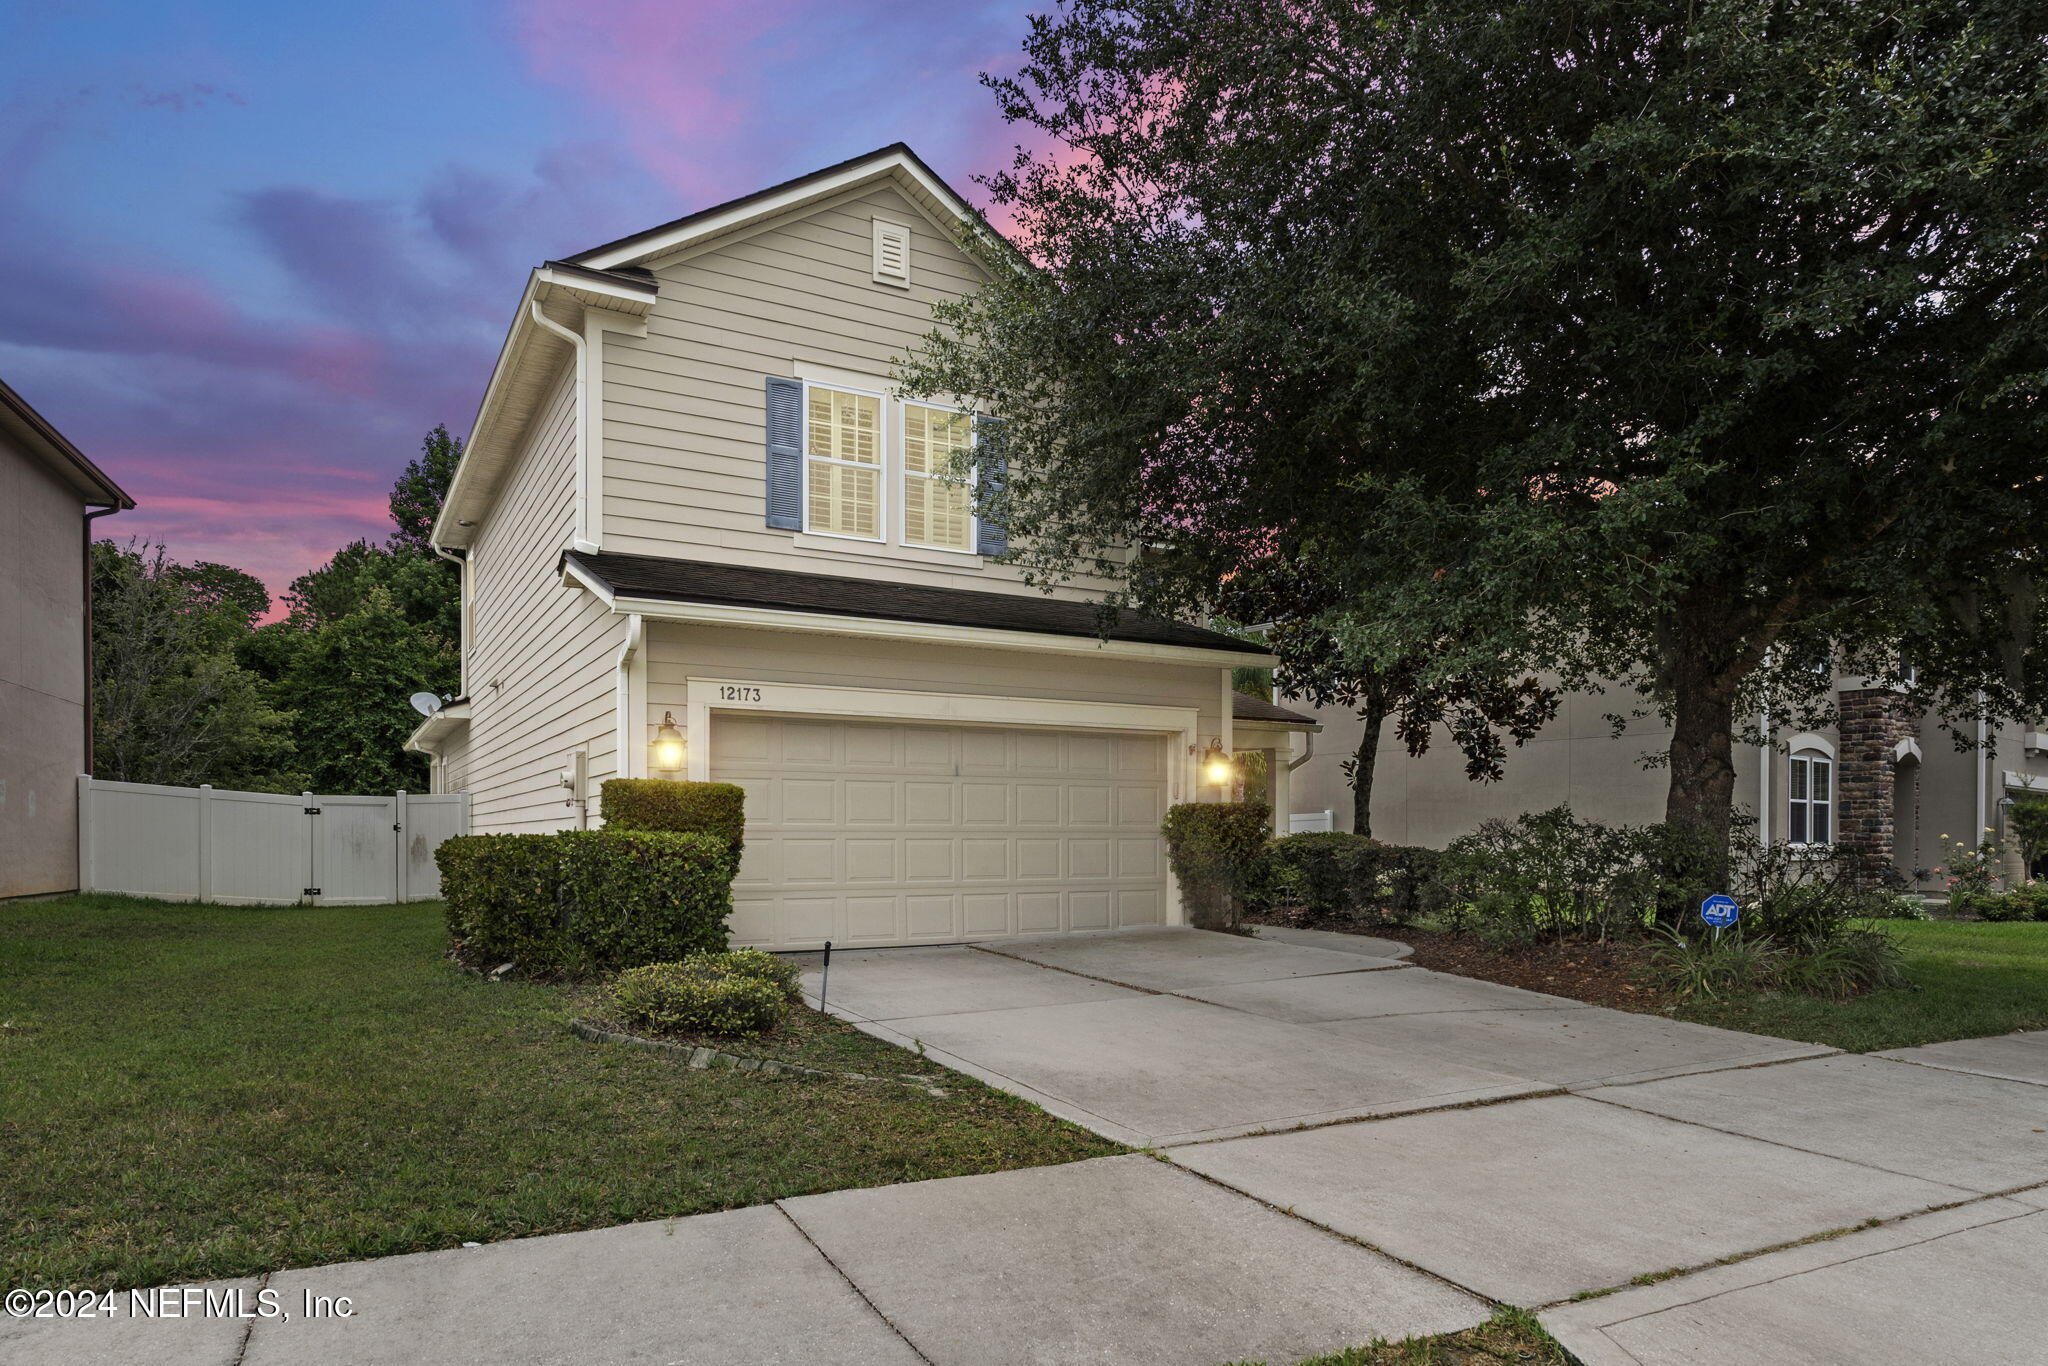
871, 834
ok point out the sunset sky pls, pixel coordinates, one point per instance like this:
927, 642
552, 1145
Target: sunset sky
251, 251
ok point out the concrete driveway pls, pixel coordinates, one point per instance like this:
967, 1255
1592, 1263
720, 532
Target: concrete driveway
1344, 1148
1525, 1148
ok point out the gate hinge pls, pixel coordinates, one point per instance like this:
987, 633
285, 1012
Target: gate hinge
311, 891
312, 810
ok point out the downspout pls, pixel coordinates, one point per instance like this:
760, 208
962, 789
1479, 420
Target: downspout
1308, 751
460, 559
1983, 775
1766, 756
624, 761
582, 539
91, 694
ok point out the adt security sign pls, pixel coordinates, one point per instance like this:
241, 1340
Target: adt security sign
1720, 910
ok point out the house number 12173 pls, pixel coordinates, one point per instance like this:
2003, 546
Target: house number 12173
738, 692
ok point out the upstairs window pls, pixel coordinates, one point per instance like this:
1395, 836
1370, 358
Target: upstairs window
843, 463
1810, 789
938, 506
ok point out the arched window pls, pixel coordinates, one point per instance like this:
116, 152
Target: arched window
1810, 792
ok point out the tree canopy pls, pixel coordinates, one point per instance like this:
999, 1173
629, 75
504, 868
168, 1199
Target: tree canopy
1676, 344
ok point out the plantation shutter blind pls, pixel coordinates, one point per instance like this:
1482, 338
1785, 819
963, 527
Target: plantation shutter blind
938, 506
994, 468
843, 453
785, 453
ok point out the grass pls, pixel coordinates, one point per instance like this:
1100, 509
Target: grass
1968, 980
203, 1091
1513, 1335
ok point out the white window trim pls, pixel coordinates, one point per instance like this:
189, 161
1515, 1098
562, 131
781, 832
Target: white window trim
1810, 756
880, 467
904, 476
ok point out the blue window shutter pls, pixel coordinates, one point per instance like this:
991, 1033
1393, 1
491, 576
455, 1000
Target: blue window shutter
992, 537
785, 453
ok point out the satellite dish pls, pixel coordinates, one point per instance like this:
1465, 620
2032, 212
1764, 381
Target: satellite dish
425, 703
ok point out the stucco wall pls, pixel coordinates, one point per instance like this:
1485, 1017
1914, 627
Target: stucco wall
42, 676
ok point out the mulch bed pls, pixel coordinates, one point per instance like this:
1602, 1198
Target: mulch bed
1608, 974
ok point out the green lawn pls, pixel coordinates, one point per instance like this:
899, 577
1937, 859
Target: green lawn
205, 1091
1968, 980
1513, 1335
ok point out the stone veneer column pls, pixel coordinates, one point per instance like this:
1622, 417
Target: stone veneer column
1873, 721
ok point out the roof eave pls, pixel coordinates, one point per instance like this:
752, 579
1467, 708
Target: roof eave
56, 450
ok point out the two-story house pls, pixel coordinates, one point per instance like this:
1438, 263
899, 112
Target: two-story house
702, 537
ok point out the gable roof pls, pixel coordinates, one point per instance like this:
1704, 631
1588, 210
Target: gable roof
610, 277
657, 578
35, 433
895, 162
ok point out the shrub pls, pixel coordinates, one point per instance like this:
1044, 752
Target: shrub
1217, 850
698, 996
1552, 875
503, 897
679, 808
785, 976
584, 900
1715, 966
643, 896
1329, 872
2028, 901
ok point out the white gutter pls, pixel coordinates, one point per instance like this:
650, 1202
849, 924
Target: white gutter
627, 761
1308, 751
461, 563
583, 539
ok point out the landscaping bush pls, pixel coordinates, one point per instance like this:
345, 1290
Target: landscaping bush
1218, 851
644, 896
1552, 875
701, 995
2029, 901
582, 901
1330, 872
785, 976
1845, 964
502, 897
679, 808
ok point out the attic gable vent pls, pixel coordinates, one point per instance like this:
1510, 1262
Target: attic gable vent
892, 253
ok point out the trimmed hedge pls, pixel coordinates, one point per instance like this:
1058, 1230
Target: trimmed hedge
681, 808
585, 901
1332, 872
1217, 850
703, 994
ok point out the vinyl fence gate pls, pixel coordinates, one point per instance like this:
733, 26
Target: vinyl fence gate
209, 844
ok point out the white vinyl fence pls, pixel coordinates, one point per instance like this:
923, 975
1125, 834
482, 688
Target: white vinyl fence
208, 844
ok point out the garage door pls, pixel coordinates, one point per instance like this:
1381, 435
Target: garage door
904, 834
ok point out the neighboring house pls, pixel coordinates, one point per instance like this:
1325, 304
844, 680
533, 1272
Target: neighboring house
1885, 779
49, 496
698, 529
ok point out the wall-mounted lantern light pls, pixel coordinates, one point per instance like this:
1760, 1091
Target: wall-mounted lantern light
669, 745
1217, 768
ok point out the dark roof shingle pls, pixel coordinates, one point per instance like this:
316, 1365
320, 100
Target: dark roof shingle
1245, 707
652, 576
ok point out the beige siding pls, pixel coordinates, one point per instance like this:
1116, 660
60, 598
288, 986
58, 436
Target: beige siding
542, 655
42, 676
677, 653
683, 406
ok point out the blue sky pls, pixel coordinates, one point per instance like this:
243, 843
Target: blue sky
250, 252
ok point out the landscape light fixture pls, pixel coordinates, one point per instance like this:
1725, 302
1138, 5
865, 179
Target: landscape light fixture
669, 745
1217, 768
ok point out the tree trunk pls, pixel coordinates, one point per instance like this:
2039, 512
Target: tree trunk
1374, 715
1702, 795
